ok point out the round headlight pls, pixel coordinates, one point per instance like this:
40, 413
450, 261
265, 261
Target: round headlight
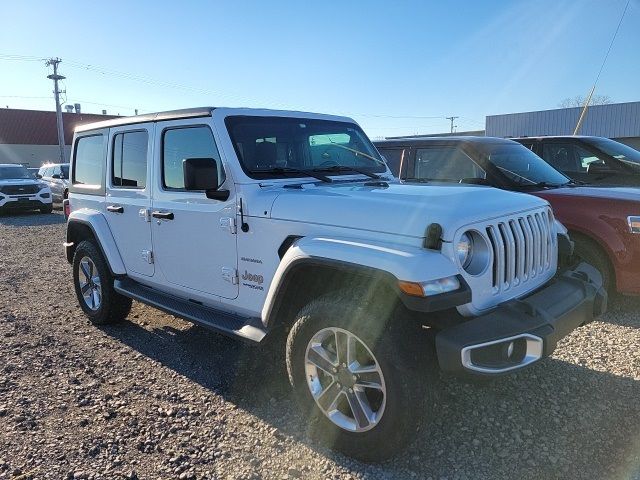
464, 250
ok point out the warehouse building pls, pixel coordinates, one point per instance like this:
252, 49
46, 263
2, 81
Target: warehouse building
619, 121
30, 137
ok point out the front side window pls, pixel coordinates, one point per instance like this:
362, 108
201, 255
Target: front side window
561, 156
445, 163
520, 165
394, 158
130, 159
181, 143
65, 170
268, 146
89, 161
14, 172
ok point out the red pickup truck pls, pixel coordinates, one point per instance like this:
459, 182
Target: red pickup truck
604, 222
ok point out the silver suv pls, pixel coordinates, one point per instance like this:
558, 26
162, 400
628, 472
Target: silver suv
56, 175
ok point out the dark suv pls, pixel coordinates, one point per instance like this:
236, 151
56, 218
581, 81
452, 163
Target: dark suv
56, 175
591, 160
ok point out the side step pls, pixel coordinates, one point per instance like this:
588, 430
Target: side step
247, 328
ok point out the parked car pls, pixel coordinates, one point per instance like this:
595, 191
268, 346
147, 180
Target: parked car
590, 160
288, 226
20, 191
603, 222
56, 175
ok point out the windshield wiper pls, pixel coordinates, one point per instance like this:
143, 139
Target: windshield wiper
357, 152
541, 185
283, 170
347, 168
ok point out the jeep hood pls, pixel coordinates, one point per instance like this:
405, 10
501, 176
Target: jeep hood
399, 208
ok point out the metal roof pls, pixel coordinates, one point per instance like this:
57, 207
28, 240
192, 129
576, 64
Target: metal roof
616, 120
39, 127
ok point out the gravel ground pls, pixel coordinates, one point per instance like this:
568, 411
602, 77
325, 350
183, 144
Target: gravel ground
156, 397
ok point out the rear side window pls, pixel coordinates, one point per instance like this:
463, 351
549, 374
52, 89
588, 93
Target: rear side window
181, 143
89, 161
445, 164
394, 157
129, 167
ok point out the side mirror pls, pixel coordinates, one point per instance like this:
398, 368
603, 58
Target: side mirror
202, 174
38, 175
56, 175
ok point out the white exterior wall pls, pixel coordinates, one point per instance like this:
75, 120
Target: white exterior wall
32, 155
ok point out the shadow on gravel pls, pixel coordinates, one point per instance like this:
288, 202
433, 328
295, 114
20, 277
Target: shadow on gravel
556, 419
30, 219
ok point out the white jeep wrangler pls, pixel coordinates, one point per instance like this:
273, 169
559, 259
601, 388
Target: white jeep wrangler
289, 226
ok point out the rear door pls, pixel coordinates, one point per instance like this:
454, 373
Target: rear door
194, 237
128, 195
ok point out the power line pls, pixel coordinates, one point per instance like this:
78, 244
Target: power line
593, 89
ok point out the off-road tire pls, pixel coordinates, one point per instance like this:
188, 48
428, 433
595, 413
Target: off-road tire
47, 208
405, 366
113, 306
589, 251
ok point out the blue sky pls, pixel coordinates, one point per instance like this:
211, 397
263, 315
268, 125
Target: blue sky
396, 67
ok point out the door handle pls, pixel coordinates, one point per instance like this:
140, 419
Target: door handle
115, 209
162, 215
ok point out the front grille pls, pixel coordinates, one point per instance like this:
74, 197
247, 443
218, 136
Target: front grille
20, 189
523, 249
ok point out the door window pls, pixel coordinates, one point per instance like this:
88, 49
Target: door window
561, 156
129, 167
181, 143
445, 163
394, 158
89, 161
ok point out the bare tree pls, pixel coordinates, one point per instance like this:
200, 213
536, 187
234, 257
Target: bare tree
578, 101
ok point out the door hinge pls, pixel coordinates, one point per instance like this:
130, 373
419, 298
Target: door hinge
147, 255
228, 223
230, 275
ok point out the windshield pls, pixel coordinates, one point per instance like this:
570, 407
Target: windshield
616, 150
286, 147
14, 172
520, 165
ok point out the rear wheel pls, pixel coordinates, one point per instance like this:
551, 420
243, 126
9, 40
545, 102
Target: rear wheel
589, 251
353, 378
93, 284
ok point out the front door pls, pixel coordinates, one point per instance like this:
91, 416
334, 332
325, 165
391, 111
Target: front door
193, 236
128, 197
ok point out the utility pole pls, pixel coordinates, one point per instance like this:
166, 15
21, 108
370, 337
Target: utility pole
56, 92
452, 125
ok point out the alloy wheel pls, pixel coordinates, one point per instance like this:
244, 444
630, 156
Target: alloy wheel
90, 284
345, 379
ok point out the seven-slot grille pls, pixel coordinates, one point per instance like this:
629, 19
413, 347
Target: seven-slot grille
523, 248
20, 189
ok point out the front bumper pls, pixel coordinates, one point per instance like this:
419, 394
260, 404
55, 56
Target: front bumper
521, 332
29, 202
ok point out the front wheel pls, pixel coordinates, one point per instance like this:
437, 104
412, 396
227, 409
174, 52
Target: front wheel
352, 378
93, 283
47, 208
